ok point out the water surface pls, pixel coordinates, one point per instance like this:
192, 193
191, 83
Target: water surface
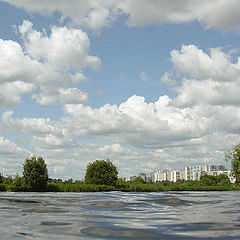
117, 215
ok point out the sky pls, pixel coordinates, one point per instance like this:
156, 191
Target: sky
147, 84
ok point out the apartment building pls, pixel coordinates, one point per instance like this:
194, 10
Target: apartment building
191, 173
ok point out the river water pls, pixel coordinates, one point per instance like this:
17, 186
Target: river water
117, 215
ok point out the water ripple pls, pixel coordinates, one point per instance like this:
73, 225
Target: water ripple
117, 215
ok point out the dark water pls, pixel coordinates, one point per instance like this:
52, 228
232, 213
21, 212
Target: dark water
117, 215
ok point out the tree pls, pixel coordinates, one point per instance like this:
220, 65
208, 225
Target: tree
101, 172
233, 156
35, 175
138, 180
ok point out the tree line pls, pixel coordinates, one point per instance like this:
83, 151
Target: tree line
102, 175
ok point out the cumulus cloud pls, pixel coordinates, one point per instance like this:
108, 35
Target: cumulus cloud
221, 15
10, 156
193, 61
136, 122
11, 93
15, 65
195, 92
29, 125
44, 62
9, 148
95, 14
209, 79
65, 48
72, 95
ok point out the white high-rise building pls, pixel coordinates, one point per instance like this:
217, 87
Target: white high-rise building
191, 173
175, 175
163, 175
195, 172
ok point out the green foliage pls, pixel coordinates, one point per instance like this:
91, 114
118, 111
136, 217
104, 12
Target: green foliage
135, 186
53, 187
63, 187
207, 180
138, 180
234, 157
7, 180
101, 172
69, 181
35, 175
53, 180
2, 188
17, 184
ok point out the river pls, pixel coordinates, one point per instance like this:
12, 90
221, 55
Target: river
118, 215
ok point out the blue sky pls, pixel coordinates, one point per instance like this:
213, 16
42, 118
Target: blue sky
147, 84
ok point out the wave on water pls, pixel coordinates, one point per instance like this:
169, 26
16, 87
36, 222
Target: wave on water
117, 215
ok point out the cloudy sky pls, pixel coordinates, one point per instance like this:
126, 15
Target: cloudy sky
148, 84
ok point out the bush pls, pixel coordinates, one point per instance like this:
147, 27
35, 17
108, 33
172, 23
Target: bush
101, 172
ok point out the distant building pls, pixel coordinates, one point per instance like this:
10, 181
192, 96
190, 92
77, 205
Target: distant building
132, 178
123, 179
217, 168
143, 176
195, 172
175, 176
163, 175
191, 173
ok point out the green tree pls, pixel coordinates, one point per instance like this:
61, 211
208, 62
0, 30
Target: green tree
233, 156
208, 180
35, 175
101, 172
138, 180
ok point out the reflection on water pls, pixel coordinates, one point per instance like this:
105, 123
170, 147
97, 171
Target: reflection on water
117, 215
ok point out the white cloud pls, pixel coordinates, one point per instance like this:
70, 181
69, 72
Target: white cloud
11, 157
29, 125
136, 122
195, 92
65, 49
15, 65
221, 15
193, 61
11, 93
72, 96
165, 79
9, 148
44, 62
95, 14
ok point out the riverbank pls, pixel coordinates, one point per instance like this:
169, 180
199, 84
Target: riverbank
131, 187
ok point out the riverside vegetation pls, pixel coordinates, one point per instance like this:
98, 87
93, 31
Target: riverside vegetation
102, 175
